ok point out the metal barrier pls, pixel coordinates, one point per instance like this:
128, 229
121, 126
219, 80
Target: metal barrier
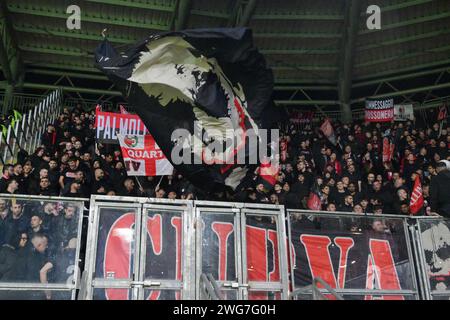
359, 256
313, 290
73, 102
432, 249
150, 249
40, 247
22, 102
139, 249
209, 290
143, 248
26, 132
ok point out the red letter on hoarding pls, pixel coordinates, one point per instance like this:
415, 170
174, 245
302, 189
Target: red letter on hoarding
381, 267
319, 258
117, 260
223, 231
177, 224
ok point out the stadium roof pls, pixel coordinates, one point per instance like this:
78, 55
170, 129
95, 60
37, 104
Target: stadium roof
321, 51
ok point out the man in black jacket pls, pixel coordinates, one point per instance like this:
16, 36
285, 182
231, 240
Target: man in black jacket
440, 191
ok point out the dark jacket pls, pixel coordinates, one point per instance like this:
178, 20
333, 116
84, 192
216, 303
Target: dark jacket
8, 257
440, 193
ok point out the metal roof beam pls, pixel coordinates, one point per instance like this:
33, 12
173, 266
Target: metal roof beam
297, 35
235, 12
296, 81
405, 92
401, 77
210, 14
407, 69
404, 56
404, 39
310, 88
135, 4
347, 56
184, 9
304, 68
406, 23
44, 86
401, 5
88, 17
58, 51
67, 74
82, 34
9, 53
306, 102
244, 20
67, 66
299, 51
298, 16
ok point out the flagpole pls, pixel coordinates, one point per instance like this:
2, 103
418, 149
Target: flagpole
157, 186
137, 180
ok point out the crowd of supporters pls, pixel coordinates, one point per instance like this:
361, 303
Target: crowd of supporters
349, 175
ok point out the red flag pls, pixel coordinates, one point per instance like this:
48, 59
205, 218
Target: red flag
386, 150
328, 131
268, 172
123, 110
416, 202
313, 202
98, 109
442, 112
143, 157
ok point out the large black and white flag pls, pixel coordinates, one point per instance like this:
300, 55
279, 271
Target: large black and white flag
212, 78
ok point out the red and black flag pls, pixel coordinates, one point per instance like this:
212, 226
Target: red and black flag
416, 203
328, 131
314, 202
176, 79
268, 173
442, 115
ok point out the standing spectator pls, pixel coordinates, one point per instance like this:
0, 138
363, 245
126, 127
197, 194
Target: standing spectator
15, 223
5, 177
439, 191
48, 138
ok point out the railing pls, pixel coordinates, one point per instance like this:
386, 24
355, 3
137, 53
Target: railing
26, 132
53, 246
208, 288
315, 292
22, 102
143, 248
87, 104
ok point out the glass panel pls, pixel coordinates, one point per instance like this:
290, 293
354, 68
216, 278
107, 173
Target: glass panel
36, 235
112, 294
436, 246
441, 297
162, 294
164, 245
263, 263
264, 295
378, 297
218, 246
350, 252
229, 294
116, 243
35, 295
306, 296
